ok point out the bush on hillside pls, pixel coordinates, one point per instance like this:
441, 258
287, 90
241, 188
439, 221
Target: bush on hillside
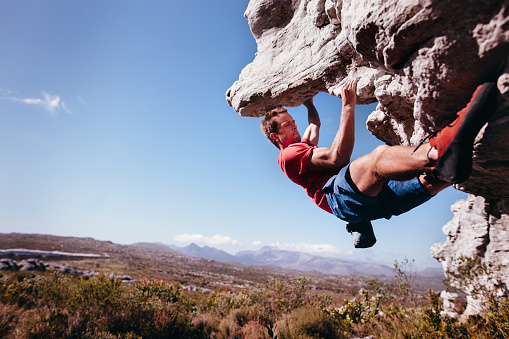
56, 305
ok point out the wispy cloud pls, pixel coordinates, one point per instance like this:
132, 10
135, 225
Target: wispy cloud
50, 103
5, 92
216, 240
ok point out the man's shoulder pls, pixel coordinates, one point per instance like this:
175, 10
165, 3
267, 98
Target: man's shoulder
296, 147
304, 143
295, 150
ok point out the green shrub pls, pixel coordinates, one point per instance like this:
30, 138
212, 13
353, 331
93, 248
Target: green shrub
57, 305
277, 298
205, 323
494, 323
223, 302
45, 322
309, 322
253, 330
228, 328
151, 309
359, 311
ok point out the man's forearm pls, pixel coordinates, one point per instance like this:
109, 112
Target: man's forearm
313, 116
312, 132
344, 140
338, 155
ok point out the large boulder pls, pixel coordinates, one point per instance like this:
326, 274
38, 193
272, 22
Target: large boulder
420, 60
475, 256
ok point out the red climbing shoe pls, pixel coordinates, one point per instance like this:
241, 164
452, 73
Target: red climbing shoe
456, 141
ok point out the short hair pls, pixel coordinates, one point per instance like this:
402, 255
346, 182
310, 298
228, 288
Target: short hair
269, 123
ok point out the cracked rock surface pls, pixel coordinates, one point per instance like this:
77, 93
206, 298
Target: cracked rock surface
420, 60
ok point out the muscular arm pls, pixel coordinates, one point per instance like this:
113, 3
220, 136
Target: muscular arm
338, 155
312, 132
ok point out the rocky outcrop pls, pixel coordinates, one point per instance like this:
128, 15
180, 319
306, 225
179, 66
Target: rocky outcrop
33, 264
419, 59
8, 264
475, 256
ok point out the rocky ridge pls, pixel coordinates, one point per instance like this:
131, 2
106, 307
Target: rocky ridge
420, 60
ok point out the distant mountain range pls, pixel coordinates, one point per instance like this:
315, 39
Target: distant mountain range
288, 259
205, 252
197, 265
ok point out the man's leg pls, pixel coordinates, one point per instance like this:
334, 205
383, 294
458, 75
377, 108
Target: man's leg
451, 148
448, 154
371, 172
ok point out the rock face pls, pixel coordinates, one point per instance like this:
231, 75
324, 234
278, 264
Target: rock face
479, 229
420, 60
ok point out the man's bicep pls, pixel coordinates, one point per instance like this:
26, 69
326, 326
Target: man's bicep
312, 133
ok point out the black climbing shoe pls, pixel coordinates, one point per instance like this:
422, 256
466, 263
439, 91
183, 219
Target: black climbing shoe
362, 234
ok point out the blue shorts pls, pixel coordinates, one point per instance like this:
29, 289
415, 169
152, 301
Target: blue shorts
348, 204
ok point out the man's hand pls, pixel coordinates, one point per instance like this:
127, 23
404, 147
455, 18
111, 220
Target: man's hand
338, 90
349, 93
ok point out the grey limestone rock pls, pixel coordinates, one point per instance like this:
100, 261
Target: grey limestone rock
32, 265
479, 230
8, 264
421, 60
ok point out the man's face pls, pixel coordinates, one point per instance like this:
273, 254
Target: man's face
287, 130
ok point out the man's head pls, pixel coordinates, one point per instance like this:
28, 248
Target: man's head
280, 128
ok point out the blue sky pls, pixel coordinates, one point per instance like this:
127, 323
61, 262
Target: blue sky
114, 125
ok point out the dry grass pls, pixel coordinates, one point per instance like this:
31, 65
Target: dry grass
57, 305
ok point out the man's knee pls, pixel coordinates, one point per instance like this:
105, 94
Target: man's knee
376, 156
364, 172
379, 150
367, 164
377, 153
370, 159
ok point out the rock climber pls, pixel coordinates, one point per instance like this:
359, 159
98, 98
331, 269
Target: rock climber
391, 180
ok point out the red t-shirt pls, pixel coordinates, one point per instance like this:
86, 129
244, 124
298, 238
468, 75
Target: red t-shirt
293, 160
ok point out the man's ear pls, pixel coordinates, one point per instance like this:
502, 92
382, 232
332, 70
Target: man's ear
274, 137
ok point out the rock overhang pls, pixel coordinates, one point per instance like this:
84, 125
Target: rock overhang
420, 60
